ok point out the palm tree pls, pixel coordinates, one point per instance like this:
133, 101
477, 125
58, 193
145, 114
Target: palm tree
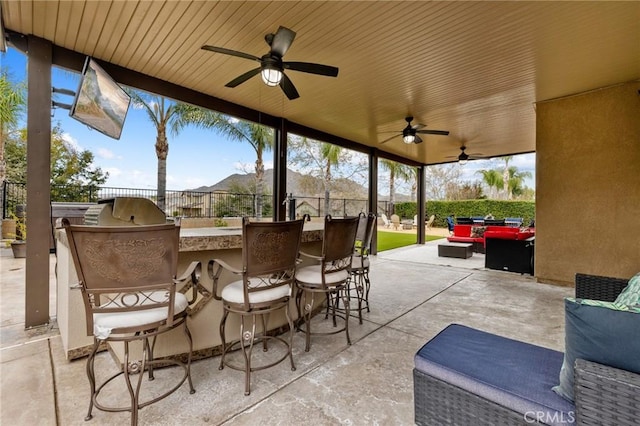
396, 170
162, 113
493, 178
258, 136
413, 176
516, 181
12, 104
330, 157
505, 176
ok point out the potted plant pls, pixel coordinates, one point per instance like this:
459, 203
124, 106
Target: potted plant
19, 243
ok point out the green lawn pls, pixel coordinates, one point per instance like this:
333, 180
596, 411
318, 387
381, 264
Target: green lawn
391, 240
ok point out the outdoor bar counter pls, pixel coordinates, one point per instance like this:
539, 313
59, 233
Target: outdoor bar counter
196, 244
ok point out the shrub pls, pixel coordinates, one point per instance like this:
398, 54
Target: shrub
468, 208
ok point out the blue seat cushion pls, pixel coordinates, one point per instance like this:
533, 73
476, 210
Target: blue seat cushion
514, 374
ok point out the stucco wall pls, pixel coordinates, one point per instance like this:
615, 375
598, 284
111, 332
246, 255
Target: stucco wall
588, 185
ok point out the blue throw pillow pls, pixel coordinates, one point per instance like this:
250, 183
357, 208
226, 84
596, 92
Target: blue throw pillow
599, 334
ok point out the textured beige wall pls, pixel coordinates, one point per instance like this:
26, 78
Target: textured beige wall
588, 185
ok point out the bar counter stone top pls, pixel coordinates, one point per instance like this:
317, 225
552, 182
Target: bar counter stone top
221, 238
196, 244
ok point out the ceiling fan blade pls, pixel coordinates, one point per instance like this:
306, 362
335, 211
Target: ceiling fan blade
242, 78
388, 139
288, 88
418, 126
230, 52
433, 132
282, 40
311, 68
418, 139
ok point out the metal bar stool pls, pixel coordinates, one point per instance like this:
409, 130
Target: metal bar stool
128, 281
359, 270
269, 259
329, 277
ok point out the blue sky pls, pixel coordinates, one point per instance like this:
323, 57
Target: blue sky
196, 157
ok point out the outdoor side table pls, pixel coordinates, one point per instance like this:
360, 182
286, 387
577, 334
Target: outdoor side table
459, 250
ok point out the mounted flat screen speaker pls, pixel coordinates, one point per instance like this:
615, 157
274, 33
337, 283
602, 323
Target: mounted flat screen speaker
100, 102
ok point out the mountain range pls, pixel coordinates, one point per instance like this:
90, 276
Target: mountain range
297, 183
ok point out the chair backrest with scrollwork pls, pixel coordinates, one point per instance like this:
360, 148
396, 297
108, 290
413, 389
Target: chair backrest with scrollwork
269, 254
366, 227
125, 268
338, 243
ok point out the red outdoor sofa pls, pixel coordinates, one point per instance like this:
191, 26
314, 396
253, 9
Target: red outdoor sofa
476, 235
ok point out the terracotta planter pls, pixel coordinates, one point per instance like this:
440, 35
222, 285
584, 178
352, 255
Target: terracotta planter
19, 249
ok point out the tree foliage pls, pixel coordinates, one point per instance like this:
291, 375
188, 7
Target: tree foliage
13, 102
163, 112
440, 180
261, 138
396, 171
241, 201
468, 208
73, 175
506, 182
493, 179
465, 191
331, 164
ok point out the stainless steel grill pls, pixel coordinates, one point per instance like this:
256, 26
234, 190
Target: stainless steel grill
122, 211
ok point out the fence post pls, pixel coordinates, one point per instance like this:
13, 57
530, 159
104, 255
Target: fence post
4, 199
254, 206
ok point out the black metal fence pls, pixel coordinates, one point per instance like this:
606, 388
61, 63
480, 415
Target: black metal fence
191, 203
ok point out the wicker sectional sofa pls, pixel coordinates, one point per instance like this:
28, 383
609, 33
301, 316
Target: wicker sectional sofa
475, 393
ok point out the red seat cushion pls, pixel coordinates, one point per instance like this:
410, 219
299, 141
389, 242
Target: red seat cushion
461, 230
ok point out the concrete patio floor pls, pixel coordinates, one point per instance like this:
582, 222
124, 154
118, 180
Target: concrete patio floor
414, 294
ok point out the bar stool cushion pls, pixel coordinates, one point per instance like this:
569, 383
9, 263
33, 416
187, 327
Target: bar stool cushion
234, 293
312, 275
359, 262
104, 323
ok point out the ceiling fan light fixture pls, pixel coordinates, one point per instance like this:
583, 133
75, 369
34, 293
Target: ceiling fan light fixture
463, 158
271, 76
409, 138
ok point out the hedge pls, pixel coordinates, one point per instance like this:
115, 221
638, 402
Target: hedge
500, 209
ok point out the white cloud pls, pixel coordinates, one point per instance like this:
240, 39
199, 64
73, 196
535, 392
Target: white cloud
71, 141
107, 154
525, 161
113, 171
129, 178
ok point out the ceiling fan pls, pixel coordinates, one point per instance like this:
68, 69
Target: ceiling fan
464, 157
410, 133
271, 65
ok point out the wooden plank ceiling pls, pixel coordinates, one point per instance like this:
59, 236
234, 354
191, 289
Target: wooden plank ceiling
473, 68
